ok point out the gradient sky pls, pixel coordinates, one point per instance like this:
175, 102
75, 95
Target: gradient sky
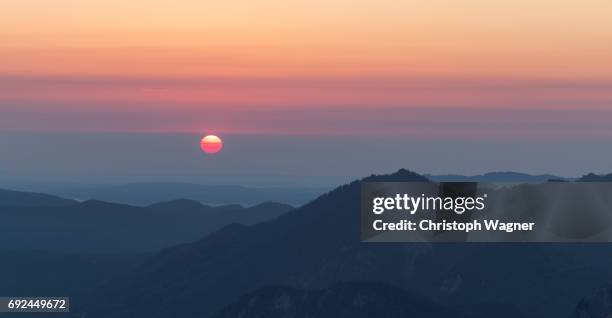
454, 72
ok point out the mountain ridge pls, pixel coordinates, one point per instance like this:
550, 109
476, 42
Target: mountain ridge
318, 245
148, 193
11, 198
98, 226
497, 176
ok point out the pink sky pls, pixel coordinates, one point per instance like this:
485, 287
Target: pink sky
467, 69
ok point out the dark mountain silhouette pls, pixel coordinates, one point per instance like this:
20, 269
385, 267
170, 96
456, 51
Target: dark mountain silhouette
143, 194
96, 226
318, 245
310, 247
30, 273
507, 176
10, 198
591, 177
35, 272
343, 300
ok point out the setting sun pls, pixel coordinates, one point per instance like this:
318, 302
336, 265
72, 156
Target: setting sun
211, 144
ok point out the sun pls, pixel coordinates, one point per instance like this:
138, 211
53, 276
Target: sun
211, 144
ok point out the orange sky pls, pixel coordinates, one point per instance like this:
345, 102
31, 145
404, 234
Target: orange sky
286, 38
193, 55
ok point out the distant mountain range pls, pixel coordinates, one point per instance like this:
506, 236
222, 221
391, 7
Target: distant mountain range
147, 193
591, 177
318, 246
10, 198
143, 194
312, 254
496, 177
510, 176
35, 221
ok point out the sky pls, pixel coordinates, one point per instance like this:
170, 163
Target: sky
381, 76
